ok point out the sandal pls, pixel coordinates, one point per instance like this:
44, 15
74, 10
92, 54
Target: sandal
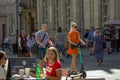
99, 62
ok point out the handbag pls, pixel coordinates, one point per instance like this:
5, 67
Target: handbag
25, 49
73, 46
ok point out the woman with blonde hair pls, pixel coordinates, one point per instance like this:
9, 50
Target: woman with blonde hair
73, 39
53, 65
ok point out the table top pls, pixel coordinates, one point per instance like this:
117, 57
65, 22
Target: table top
17, 77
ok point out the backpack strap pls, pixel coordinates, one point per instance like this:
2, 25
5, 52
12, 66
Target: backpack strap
43, 37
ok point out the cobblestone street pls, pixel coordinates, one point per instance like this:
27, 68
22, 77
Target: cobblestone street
110, 68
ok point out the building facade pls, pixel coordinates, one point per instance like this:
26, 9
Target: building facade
8, 20
29, 15
85, 13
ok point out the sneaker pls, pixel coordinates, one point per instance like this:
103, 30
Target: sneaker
109, 53
91, 54
117, 49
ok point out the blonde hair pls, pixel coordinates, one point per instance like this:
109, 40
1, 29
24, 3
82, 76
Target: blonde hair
73, 24
54, 50
43, 25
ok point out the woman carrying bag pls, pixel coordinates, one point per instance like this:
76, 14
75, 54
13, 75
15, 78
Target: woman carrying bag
73, 39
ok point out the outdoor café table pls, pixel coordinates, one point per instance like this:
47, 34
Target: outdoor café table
26, 79
16, 77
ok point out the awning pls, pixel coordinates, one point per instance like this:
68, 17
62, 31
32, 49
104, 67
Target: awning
116, 22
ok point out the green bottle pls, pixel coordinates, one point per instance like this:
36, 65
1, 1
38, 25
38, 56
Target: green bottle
38, 70
80, 55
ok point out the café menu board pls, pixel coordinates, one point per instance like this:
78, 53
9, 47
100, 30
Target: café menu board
21, 63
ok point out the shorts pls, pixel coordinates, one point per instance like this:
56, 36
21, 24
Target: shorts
41, 52
91, 44
60, 47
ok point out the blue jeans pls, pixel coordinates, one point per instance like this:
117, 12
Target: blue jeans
41, 52
60, 47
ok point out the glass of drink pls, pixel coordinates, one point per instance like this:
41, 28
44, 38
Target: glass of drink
21, 72
27, 72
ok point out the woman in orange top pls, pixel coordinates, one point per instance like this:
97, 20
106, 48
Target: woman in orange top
73, 38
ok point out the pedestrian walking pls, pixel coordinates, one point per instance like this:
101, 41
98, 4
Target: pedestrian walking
90, 37
74, 39
59, 42
42, 38
108, 39
119, 39
98, 48
30, 42
6, 43
85, 38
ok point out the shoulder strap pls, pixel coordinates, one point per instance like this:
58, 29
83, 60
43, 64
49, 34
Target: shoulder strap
43, 37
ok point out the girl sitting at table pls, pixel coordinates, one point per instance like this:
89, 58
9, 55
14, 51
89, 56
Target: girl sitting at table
3, 60
53, 65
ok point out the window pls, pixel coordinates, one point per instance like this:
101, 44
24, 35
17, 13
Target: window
56, 14
105, 19
105, 10
68, 13
104, 1
9, 1
31, 3
2, 2
35, 3
12, 24
45, 12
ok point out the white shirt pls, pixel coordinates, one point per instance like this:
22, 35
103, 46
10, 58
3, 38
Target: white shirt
19, 42
6, 40
30, 42
94, 33
2, 73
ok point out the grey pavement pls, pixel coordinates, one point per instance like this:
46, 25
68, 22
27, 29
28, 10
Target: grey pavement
110, 68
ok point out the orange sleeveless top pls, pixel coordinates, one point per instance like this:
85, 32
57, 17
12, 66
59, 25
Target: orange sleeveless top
74, 37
